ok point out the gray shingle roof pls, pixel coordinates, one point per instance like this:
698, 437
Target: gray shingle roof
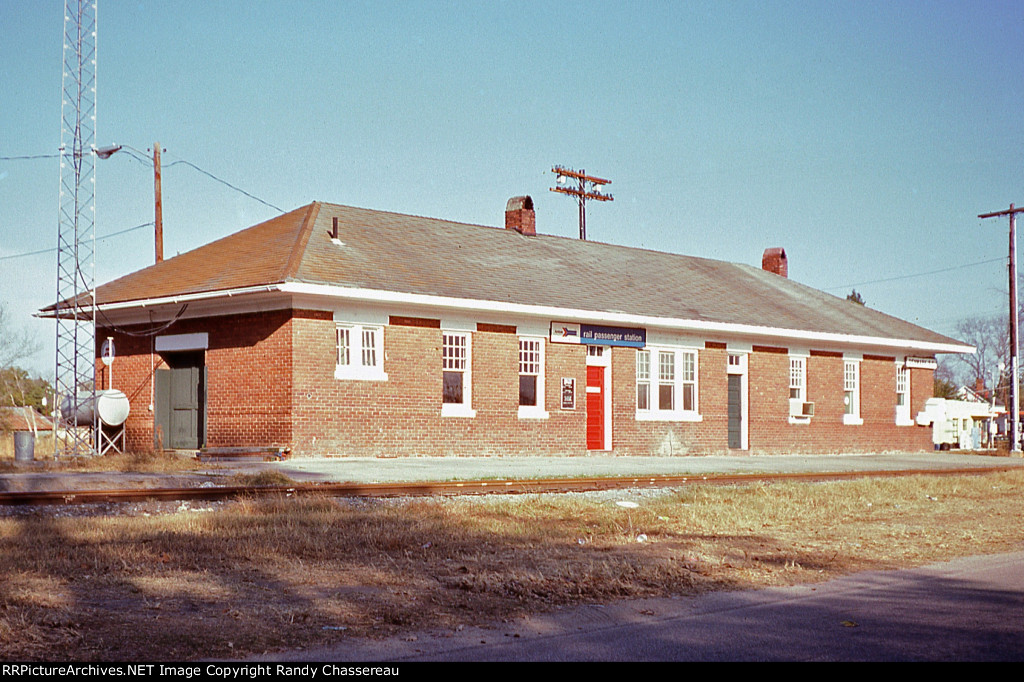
414, 255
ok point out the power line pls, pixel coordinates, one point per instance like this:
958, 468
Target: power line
918, 274
106, 236
138, 156
588, 188
225, 182
33, 156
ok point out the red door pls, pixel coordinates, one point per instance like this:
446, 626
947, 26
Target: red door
595, 408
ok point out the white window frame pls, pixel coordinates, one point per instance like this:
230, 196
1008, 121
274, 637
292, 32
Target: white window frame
851, 391
533, 366
465, 408
685, 368
798, 383
354, 367
643, 379
903, 391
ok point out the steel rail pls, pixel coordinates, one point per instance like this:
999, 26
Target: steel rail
439, 488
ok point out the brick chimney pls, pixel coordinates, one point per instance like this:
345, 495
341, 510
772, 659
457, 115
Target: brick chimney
774, 260
519, 216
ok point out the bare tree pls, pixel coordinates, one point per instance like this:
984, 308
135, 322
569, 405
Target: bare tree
990, 338
16, 387
16, 344
945, 383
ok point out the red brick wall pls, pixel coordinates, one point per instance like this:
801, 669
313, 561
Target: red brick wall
826, 432
271, 382
249, 375
769, 428
768, 380
249, 367
402, 416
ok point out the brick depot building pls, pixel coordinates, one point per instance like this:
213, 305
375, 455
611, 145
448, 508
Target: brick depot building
340, 330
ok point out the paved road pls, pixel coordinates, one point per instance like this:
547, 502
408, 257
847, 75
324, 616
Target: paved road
966, 610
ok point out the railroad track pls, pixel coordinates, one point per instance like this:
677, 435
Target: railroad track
429, 488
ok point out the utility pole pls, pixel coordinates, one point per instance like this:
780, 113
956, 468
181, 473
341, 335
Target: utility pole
158, 200
1014, 338
158, 219
588, 188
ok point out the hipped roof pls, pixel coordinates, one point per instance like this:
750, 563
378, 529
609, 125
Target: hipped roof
390, 252
24, 419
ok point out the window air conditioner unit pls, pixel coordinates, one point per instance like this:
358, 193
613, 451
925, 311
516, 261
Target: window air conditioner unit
807, 410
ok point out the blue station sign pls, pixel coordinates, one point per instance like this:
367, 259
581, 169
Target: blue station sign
594, 335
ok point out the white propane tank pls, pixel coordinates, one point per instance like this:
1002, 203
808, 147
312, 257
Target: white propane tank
111, 407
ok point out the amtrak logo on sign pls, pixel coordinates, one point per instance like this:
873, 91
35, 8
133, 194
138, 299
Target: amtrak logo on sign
563, 332
594, 335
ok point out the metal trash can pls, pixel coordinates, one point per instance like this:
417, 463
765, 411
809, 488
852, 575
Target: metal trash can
24, 446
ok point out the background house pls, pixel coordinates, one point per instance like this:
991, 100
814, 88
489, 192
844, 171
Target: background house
24, 420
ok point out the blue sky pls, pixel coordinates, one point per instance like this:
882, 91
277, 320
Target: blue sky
863, 137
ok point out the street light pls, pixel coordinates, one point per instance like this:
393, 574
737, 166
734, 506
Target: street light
158, 210
106, 152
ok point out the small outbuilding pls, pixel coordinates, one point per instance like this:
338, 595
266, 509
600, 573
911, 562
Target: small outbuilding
962, 424
22, 429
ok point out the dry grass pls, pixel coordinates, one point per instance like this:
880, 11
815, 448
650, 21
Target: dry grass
135, 462
260, 575
142, 462
261, 478
43, 447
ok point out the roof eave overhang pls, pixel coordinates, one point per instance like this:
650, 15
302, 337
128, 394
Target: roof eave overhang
86, 311
555, 313
570, 314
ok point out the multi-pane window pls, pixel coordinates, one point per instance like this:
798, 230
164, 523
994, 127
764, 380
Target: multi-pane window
666, 384
902, 395
666, 380
344, 346
851, 391
800, 410
454, 365
798, 379
359, 352
369, 347
689, 381
643, 380
901, 386
530, 368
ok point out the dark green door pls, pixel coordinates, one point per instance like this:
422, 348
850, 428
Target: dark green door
180, 405
735, 426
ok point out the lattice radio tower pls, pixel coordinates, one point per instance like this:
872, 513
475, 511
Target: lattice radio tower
75, 388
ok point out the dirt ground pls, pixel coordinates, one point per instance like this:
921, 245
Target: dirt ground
183, 581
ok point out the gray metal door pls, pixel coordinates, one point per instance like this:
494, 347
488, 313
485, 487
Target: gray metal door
180, 407
735, 427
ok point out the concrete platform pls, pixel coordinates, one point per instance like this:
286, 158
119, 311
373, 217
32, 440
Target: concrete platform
369, 470
384, 470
